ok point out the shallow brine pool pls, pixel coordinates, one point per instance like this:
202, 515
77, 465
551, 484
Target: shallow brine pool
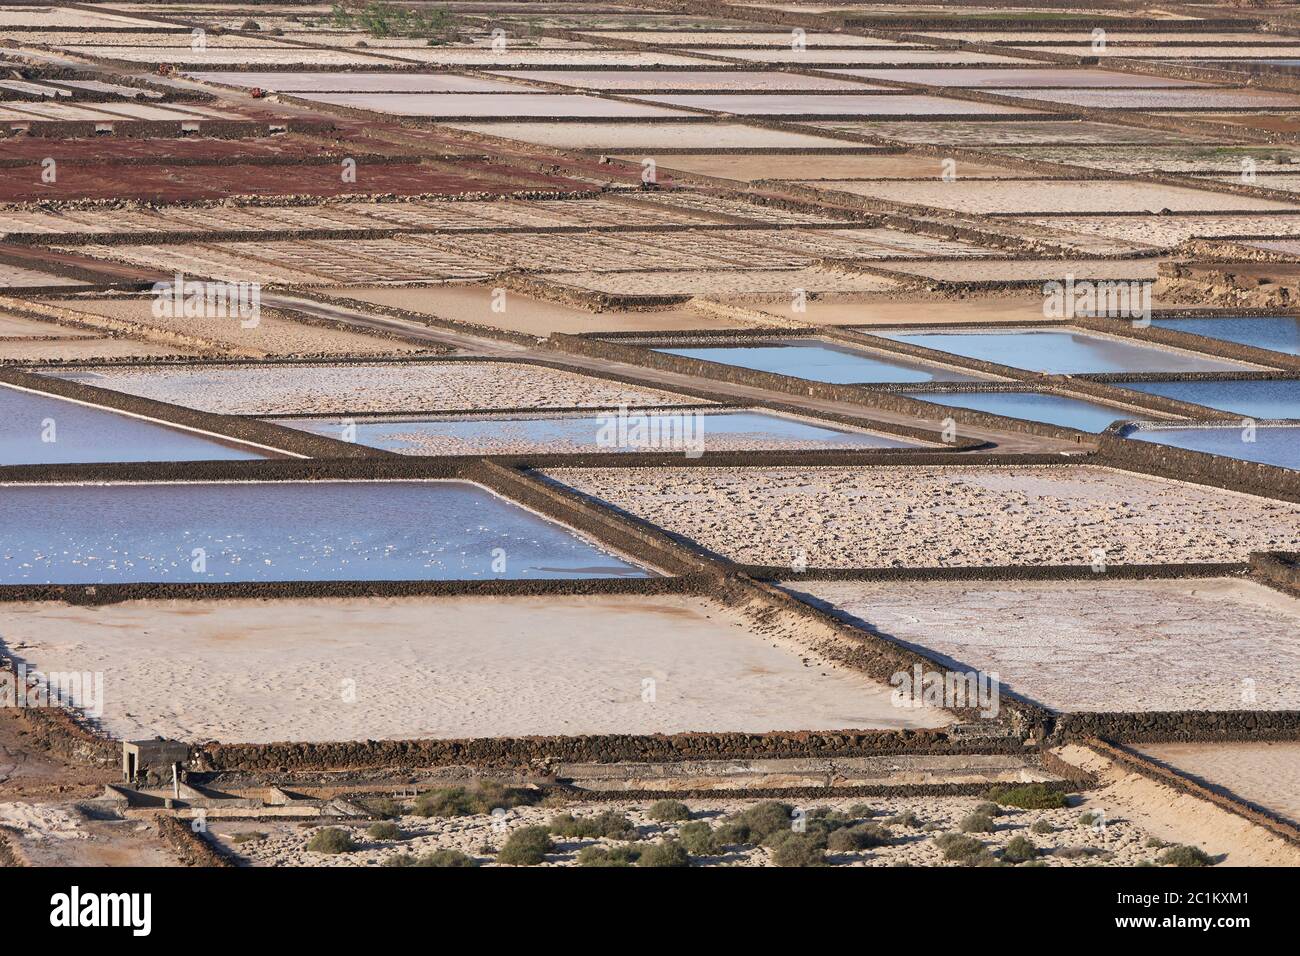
1062, 352
1267, 444
820, 362
39, 429
1276, 333
1276, 398
283, 531
689, 431
1034, 407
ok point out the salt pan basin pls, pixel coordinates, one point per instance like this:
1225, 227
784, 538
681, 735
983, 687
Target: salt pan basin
690, 431
1276, 333
1103, 645
1265, 773
247, 671
920, 516
820, 362
283, 531
1063, 352
1034, 407
39, 429
1265, 398
1266, 444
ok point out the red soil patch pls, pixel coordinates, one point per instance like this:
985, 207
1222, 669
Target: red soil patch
110, 149
164, 183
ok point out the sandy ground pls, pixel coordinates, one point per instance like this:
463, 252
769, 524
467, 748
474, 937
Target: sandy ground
1097, 645
1174, 159
618, 137
50, 835
1265, 773
1171, 230
984, 135
325, 389
740, 282
918, 311
17, 277
273, 334
1120, 843
253, 671
1161, 99
917, 516
1034, 269
1177, 817
67, 350
1026, 196
753, 166
521, 313
17, 327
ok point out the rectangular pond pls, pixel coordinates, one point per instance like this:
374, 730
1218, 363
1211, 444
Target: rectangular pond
1062, 351
1034, 407
1270, 398
213, 532
38, 429
1267, 444
1278, 333
690, 431
822, 362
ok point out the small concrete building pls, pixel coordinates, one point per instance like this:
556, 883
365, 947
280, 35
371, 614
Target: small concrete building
151, 760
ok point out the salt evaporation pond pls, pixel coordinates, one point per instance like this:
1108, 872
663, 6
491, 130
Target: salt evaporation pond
1034, 407
1062, 352
1267, 398
38, 429
687, 431
1270, 445
283, 531
1278, 333
820, 362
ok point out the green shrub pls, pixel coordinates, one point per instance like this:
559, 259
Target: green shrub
1183, 855
863, 811
989, 809
664, 853
385, 807
817, 837
608, 856
799, 849
1088, 818
331, 840
827, 822
1033, 796
384, 830
1019, 849
446, 858
484, 797
1076, 852
761, 821
666, 811
860, 837
526, 847
905, 819
977, 823
1155, 843
698, 838
610, 824
955, 846
1042, 827
400, 859
730, 832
